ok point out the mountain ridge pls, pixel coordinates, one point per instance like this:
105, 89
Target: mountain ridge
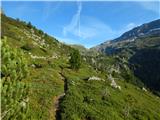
144, 30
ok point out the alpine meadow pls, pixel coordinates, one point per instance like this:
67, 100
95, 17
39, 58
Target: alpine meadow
80, 60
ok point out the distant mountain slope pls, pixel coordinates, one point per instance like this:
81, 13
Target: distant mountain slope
84, 51
145, 30
151, 28
141, 47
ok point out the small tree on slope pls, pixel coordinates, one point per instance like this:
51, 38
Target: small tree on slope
75, 60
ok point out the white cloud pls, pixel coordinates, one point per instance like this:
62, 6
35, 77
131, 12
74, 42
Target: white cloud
127, 27
151, 5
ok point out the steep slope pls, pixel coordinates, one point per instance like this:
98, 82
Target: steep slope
141, 47
145, 30
45, 56
89, 93
96, 99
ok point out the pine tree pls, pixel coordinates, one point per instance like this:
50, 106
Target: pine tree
14, 89
75, 60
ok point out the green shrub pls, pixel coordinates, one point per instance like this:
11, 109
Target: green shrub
14, 89
27, 47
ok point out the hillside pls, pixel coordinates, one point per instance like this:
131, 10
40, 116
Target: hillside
102, 89
46, 56
141, 47
84, 51
144, 30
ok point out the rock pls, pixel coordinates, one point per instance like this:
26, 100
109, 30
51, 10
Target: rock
113, 83
93, 61
84, 59
54, 56
95, 78
119, 87
33, 65
144, 89
37, 57
23, 104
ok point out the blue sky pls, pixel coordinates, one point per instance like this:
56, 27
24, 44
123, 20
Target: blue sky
85, 23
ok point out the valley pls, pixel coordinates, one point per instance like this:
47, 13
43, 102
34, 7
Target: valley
119, 81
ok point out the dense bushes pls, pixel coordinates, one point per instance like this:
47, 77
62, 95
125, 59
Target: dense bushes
14, 89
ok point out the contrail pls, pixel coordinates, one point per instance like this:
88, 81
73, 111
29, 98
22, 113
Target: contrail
74, 26
79, 16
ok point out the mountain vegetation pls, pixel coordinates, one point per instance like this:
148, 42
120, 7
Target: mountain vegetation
43, 79
75, 60
140, 47
14, 83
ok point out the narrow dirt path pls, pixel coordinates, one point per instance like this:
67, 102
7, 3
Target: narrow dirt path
59, 98
57, 106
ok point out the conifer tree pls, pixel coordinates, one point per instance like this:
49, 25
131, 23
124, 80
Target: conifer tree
75, 60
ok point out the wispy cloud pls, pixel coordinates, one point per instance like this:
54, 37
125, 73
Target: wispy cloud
94, 27
89, 28
85, 28
50, 8
153, 6
96, 30
74, 26
126, 28
130, 26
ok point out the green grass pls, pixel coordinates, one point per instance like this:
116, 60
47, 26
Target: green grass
84, 100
